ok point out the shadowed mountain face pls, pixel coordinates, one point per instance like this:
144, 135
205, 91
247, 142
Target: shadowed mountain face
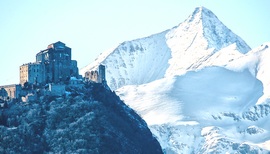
92, 120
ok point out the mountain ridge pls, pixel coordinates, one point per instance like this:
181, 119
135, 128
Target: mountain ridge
172, 51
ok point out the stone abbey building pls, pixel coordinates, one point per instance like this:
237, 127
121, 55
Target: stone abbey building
52, 65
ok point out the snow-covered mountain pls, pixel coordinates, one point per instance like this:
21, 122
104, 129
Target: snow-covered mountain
199, 86
172, 52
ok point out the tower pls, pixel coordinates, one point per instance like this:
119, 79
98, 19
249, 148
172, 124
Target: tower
101, 74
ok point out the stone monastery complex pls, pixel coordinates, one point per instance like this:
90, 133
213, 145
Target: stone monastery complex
54, 67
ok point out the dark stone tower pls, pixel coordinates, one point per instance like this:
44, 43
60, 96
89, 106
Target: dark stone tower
101, 74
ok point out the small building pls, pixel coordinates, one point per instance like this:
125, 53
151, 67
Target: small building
97, 76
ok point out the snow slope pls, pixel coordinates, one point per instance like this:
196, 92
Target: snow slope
132, 61
193, 96
202, 111
257, 62
198, 86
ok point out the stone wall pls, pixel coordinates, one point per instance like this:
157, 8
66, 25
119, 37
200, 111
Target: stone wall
57, 89
91, 76
32, 73
23, 74
13, 90
101, 74
97, 75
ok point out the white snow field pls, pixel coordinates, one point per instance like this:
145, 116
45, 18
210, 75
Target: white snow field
183, 111
199, 86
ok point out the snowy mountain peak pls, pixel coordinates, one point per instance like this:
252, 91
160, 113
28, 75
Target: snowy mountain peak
205, 22
199, 13
172, 52
195, 40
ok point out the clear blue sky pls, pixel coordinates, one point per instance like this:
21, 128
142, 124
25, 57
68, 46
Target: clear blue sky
90, 27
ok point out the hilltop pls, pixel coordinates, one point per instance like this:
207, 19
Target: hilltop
91, 120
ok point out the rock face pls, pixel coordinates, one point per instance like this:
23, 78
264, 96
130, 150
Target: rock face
199, 86
93, 120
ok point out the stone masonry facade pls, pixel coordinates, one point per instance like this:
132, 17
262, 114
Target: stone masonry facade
52, 65
97, 76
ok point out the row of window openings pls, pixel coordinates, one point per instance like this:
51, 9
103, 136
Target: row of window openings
29, 70
26, 68
54, 57
25, 76
34, 70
